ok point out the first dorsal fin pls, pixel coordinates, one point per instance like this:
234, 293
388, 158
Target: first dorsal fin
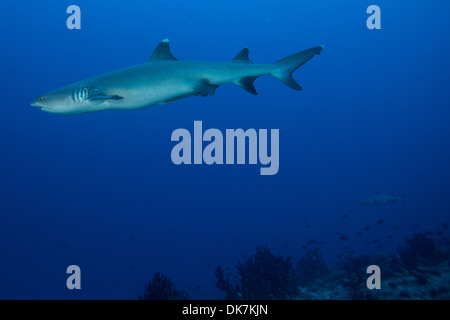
242, 56
162, 52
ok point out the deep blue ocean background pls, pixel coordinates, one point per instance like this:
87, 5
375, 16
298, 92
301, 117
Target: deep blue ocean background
100, 190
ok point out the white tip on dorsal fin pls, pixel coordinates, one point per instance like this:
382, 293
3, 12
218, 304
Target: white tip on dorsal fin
162, 52
242, 56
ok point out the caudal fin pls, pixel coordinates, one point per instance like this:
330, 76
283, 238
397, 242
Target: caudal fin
284, 68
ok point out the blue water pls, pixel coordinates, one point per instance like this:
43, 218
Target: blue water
100, 191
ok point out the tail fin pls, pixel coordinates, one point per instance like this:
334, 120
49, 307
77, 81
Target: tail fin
284, 68
403, 196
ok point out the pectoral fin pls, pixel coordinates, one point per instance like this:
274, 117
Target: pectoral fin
205, 89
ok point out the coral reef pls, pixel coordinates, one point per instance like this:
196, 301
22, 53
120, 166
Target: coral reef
311, 267
162, 288
420, 250
262, 276
418, 270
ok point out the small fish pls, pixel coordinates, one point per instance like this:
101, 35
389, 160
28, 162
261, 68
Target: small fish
307, 226
359, 233
312, 241
344, 216
445, 225
396, 227
344, 238
367, 228
439, 233
390, 236
416, 225
379, 246
380, 222
375, 241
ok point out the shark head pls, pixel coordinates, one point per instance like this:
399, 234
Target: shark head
74, 99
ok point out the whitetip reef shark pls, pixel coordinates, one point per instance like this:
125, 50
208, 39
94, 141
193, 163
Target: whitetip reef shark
163, 79
380, 199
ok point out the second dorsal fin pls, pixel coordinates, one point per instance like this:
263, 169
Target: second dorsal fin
162, 52
242, 57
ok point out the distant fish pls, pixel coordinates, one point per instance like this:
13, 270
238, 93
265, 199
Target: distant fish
375, 241
307, 226
367, 228
312, 241
439, 233
344, 216
359, 233
344, 237
445, 225
380, 199
380, 222
390, 236
396, 227
416, 225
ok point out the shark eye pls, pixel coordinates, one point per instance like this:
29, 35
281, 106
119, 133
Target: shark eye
40, 99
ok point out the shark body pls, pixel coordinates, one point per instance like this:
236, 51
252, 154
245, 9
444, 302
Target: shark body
380, 199
163, 79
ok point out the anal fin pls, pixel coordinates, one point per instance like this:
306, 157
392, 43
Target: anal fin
247, 84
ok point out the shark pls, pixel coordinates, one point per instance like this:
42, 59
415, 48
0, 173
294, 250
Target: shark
381, 199
164, 79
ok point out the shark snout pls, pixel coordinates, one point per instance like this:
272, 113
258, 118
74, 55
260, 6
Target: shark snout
34, 103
